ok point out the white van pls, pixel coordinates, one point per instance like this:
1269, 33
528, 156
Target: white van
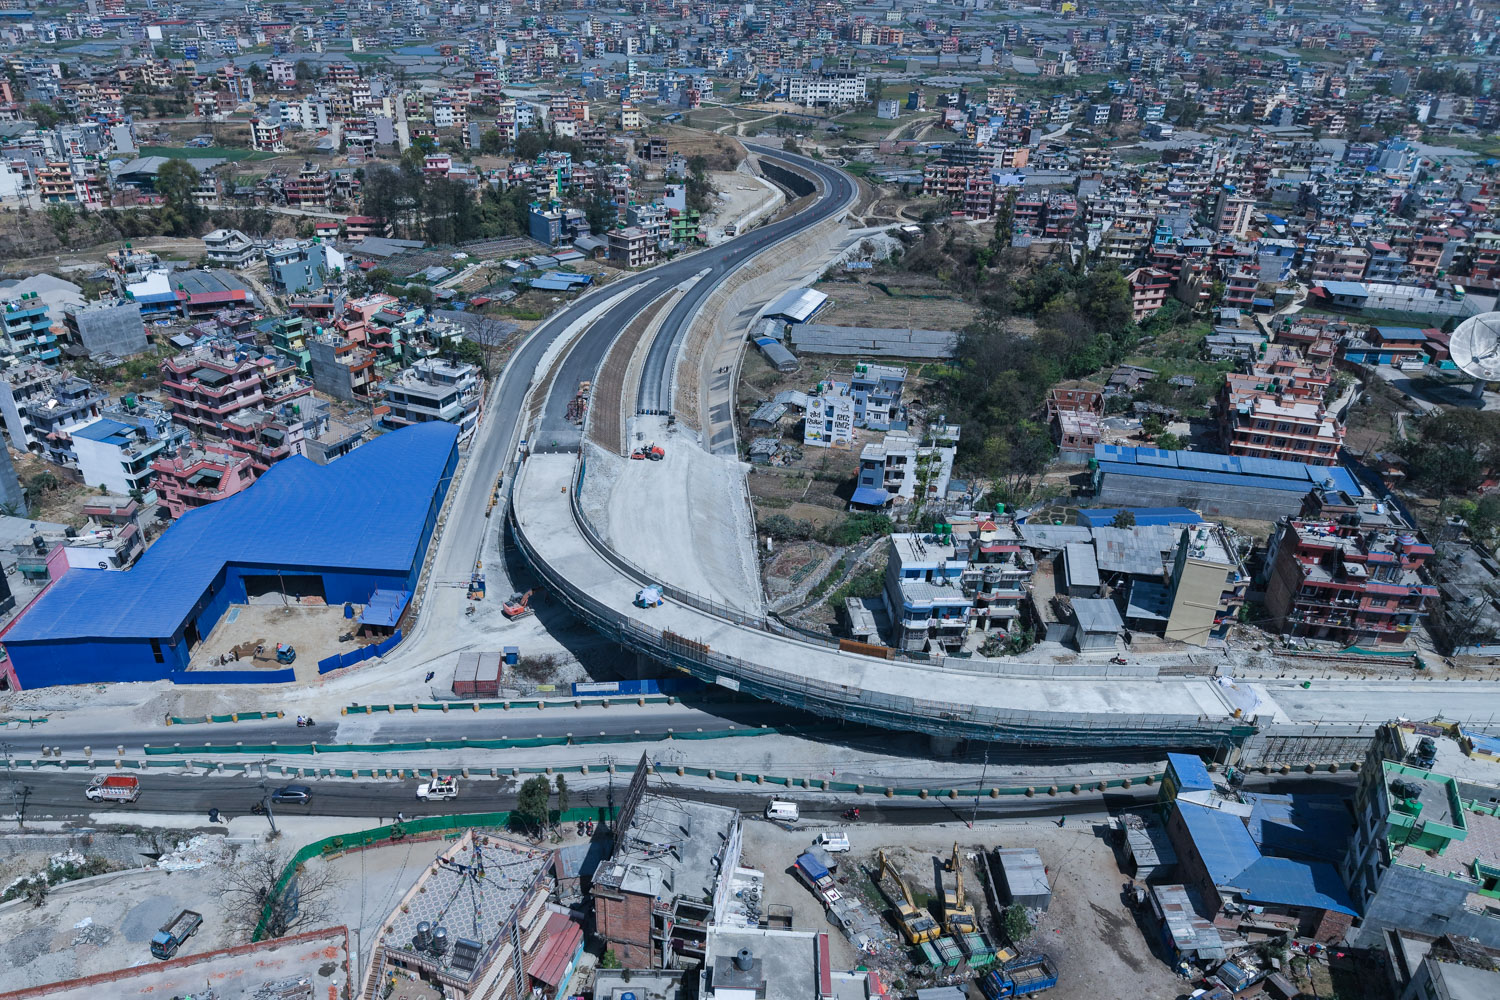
833, 841
786, 812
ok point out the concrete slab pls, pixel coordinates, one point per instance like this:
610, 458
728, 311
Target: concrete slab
684, 519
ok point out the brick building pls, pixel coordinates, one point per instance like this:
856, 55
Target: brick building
667, 881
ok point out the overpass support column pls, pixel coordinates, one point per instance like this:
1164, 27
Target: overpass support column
942, 746
646, 667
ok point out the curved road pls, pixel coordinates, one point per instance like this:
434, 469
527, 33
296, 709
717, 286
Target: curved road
557, 434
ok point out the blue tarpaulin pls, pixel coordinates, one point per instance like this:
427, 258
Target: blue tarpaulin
869, 496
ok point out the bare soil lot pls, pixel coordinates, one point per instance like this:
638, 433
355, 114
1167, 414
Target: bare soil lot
907, 300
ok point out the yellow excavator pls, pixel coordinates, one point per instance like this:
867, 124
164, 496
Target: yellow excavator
916, 926
957, 915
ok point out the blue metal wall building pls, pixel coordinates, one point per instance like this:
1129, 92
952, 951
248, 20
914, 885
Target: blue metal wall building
1214, 485
342, 530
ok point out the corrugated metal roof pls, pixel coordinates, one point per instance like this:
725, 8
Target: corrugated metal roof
1083, 571
1104, 517
297, 515
1097, 614
1191, 774
1221, 840
1284, 882
797, 304
1229, 470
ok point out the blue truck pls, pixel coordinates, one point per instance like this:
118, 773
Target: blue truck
1019, 978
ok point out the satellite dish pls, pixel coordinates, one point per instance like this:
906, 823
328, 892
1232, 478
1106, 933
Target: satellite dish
1475, 347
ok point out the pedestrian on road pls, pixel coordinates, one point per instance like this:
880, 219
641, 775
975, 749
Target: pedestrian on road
430, 675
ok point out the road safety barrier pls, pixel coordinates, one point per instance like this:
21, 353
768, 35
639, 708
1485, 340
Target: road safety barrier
198, 720
507, 743
360, 654
562, 701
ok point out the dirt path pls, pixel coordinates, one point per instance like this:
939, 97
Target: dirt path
94, 256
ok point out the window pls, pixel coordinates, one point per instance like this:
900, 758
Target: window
156, 651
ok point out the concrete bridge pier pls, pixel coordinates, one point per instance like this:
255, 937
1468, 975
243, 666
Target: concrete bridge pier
943, 746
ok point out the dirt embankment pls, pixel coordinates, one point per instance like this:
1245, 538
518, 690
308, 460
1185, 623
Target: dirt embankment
27, 233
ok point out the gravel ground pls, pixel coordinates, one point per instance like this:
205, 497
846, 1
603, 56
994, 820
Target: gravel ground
1100, 952
100, 925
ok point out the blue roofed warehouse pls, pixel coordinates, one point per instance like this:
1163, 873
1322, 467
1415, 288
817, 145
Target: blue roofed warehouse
340, 532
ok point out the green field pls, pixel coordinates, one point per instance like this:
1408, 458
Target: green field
206, 153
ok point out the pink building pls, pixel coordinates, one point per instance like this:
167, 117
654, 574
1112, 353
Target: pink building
198, 476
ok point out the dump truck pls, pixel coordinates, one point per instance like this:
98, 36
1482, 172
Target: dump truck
174, 932
114, 788
915, 924
1019, 978
438, 788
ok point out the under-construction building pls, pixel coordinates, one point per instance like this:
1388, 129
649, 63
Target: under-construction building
668, 879
474, 927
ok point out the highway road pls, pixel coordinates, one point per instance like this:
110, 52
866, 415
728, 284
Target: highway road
648, 721
58, 797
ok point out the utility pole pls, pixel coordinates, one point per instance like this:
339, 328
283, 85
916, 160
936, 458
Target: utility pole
980, 790
265, 805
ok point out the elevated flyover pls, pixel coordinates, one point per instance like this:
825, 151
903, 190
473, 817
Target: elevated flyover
946, 698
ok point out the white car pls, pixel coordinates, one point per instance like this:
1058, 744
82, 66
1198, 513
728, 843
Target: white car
440, 788
832, 841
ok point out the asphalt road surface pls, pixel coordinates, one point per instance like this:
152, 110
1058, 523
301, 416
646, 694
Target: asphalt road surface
58, 796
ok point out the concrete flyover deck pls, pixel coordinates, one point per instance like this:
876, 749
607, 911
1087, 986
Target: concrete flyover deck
970, 699
712, 646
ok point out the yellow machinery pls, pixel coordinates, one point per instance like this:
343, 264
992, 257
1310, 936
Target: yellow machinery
916, 926
958, 915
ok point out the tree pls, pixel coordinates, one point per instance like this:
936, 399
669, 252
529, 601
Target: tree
534, 798
1167, 441
251, 890
600, 214
609, 960
1124, 519
490, 143
529, 144
1453, 451
562, 794
1017, 923
304, 72
43, 114
175, 182
471, 353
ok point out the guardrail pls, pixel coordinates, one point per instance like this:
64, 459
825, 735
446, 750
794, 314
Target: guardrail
936, 718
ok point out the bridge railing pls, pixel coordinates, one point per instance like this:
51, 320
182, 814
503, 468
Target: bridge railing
855, 704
